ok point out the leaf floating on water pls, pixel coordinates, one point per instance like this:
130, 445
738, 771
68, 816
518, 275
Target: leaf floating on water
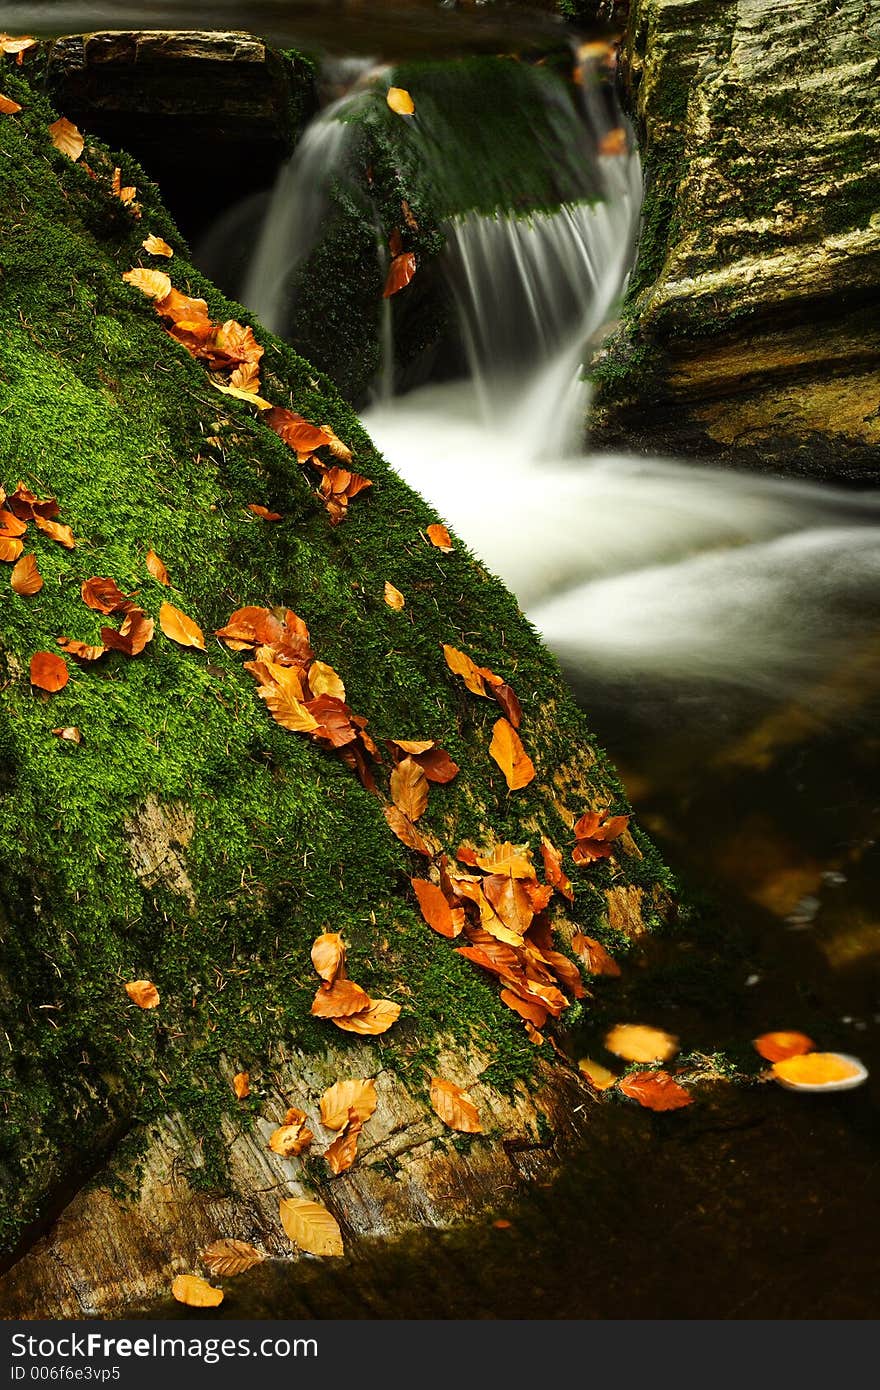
26, 579
179, 628
409, 789
400, 101
453, 1107
67, 138
655, 1090
339, 1000
155, 284
635, 1042
356, 1096
440, 537
70, 734
196, 1292
775, 1047
376, 1019
156, 246
62, 534
241, 1085
227, 1258
310, 1226
599, 1077
400, 272
48, 672
818, 1069
508, 752
8, 107
143, 993
393, 597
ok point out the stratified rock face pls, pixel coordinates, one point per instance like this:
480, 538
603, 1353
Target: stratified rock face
751, 331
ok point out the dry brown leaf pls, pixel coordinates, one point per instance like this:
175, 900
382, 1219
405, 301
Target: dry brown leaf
179, 628
529, 1009
125, 195
437, 766
156, 246
400, 101
595, 833
48, 671
295, 430
453, 1107
413, 745
156, 568
356, 1096
241, 393
447, 921
241, 1084
62, 534
775, 1047
18, 45
513, 860
440, 537
104, 595
143, 993
135, 631
10, 549
655, 1090
155, 284
393, 597
599, 1077
342, 1153
70, 734
400, 273
339, 1000
508, 752
11, 525
263, 512
25, 578
409, 789
597, 961
408, 833
323, 680
556, 875
287, 709
461, 665
80, 651
310, 1226
289, 1141
230, 1257
328, 955
196, 1292
26, 505
636, 1042
376, 1019
8, 107
66, 138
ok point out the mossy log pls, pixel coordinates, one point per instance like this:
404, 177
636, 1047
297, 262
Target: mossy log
750, 332
192, 841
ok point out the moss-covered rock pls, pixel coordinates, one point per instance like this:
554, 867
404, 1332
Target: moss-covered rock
191, 840
750, 331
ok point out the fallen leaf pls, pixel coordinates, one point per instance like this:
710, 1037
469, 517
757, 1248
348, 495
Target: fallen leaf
11, 525
513, 860
246, 377
529, 1009
506, 698
439, 536
241, 393
62, 534
287, 709
400, 272
25, 577
179, 628
342, 1153
156, 246
408, 216
461, 665
295, 430
289, 1141
447, 921
339, 1000
507, 750
815, 1069
655, 1090
70, 734
156, 568
80, 651
27, 506
413, 745
241, 1085
229, 1257
614, 142
310, 1226
599, 1077
594, 834
453, 1107
376, 1019
263, 512
553, 869
125, 195
48, 671
775, 1047
409, 789
155, 284
637, 1043
400, 101
597, 961
135, 631
393, 597
104, 595
17, 45
406, 832
323, 680
328, 955
66, 138
143, 993
344, 1098
8, 107
437, 765
253, 627
196, 1292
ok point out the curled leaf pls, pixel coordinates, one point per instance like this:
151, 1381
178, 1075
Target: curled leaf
440, 537
80, 651
196, 1292
342, 1153
400, 272
143, 993
134, 633
56, 532
67, 138
104, 595
156, 246
289, 1141
155, 284
70, 734
263, 512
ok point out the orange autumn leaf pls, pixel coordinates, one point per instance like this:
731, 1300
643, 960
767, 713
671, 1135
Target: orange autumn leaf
375, 1019
295, 430
655, 1090
595, 833
508, 752
230, 1257
125, 195
597, 961
342, 1153
599, 1077
156, 246
406, 832
614, 142
437, 765
241, 1085
26, 505
155, 284
66, 138
26, 578
328, 955
447, 921
816, 1069
156, 568
453, 1107
135, 631
413, 745
246, 377
356, 1096
287, 709
196, 1292
339, 1000
393, 597
18, 45
409, 789
104, 595
11, 525
461, 665
143, 993
8, 107
263, 512
440, 537
253, 627
179, 628
310, 1226
10, 549
323, 680
775, 1047
513, 860
62, 534
80, 651
69, 734
529, 1009
289, 1141
48, 671
400, 272
635, 1042
556, 875
400, 101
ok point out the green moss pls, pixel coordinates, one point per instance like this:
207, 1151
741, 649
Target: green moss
99, 407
